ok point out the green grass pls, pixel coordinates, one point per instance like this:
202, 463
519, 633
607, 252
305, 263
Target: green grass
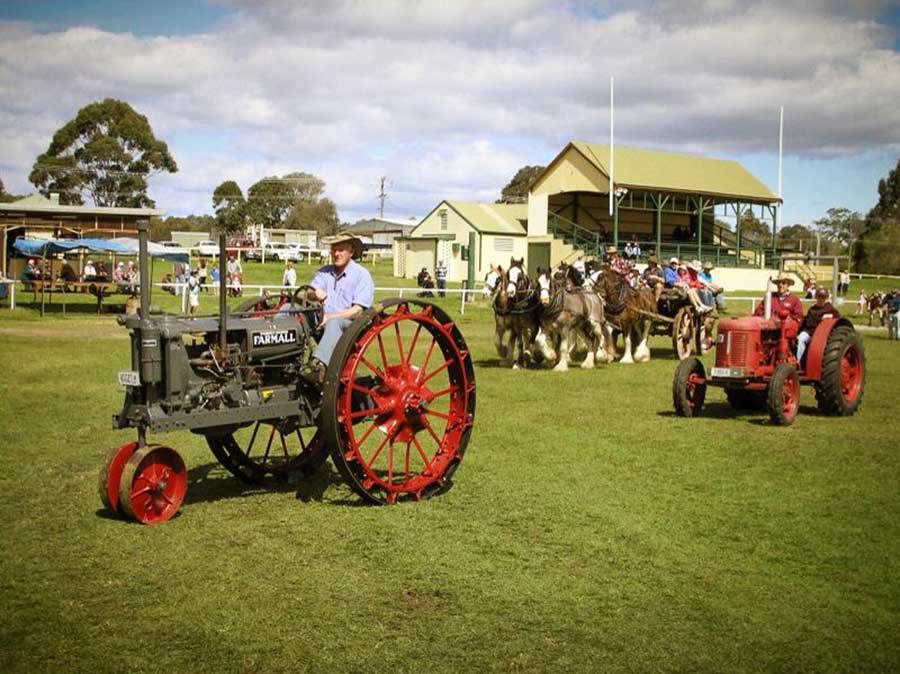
588, 530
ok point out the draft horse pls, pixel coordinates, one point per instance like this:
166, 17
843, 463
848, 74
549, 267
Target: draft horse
515, 307
628, 310
568, 312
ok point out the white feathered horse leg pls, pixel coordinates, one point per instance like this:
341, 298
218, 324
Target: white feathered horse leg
627, 358
642, 352
600, 353
563, 363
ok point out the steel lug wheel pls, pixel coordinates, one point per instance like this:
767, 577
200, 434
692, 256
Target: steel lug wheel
399, 402
111, 474
269, 452
153, 484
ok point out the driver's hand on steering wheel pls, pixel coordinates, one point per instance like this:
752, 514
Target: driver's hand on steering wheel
319, 294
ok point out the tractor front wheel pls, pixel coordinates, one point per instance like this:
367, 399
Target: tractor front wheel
689, 387
840, 389
153, 484
784, 395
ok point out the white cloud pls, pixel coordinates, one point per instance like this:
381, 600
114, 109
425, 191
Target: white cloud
448, 99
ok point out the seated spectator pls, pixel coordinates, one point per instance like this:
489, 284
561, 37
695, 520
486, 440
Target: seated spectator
424, 281
716, 290
30, 272
102, 274
653, 276
670, 273
89, 273
687, 279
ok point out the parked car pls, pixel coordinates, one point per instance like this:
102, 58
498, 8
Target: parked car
173, 246
206, 248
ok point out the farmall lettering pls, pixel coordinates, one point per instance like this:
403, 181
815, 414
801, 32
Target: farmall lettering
274, 338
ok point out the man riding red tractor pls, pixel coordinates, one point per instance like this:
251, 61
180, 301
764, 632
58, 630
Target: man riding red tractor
757, 361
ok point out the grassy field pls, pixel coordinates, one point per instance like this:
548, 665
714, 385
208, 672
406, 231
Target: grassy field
588, 529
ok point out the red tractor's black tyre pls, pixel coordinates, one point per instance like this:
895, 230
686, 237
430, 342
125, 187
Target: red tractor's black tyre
398, 404
842, 384
689, 388
683, 333
784, 395
742, 399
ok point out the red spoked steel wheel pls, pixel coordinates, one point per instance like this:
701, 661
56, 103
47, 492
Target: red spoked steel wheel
111, 473
399, 402
153, 484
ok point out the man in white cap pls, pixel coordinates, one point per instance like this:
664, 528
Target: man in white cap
346, 289
670, 273
89, 273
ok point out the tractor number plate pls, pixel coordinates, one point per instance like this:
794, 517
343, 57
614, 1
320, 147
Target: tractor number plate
728, 372
129, 378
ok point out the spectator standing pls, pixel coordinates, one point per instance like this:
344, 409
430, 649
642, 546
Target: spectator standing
214, 278
290, 275
193, 292
861, 302
202, 275
440, 275
845, 282
893, 308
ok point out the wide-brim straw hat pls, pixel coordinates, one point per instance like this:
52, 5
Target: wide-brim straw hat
783, 277
708, 266
695, 265
341, 237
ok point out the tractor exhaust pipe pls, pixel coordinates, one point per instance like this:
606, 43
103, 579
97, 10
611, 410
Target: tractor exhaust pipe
144, 270
768, 299
223, 306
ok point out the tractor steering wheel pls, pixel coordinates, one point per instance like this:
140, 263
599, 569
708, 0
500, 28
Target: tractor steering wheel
303, 299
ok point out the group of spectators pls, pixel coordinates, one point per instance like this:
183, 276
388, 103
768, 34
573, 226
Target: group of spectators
427, 284
125, 276
694, 278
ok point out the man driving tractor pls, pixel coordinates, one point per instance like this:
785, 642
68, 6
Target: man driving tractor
783, 299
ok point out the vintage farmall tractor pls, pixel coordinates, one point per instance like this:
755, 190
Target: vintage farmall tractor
757, 367
395, 411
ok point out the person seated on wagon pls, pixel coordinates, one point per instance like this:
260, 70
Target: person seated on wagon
782, 299
346, 289
653, 276
670, 273
818, 312
616, 263
714, 289
691, 286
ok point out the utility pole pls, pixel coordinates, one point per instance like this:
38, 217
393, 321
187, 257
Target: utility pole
381, 197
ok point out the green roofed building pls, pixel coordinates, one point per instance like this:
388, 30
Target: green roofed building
670, 203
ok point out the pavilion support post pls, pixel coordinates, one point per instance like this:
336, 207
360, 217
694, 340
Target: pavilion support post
738, 210
3, 261
615, 220
701, 204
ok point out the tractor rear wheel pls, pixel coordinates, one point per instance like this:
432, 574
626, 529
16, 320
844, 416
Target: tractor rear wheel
399, 402
683, 333
689, 387
840, 389
269, 452
784, 395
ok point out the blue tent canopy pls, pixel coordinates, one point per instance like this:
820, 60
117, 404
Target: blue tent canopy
43, 247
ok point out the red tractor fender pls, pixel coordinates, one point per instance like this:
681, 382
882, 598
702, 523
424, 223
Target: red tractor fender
817, 346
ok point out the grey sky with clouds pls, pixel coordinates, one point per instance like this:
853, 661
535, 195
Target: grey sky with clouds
448, 99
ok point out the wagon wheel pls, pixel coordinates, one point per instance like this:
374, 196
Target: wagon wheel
153, 484
707, 332
683, 333
408, 439
269, 452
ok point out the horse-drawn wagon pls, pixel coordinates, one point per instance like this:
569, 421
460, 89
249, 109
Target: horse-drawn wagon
395, 411
676, 317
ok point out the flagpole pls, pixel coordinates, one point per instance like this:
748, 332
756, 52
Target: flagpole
612, 160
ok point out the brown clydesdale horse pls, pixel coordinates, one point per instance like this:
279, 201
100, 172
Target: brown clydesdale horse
628, 310
515, 311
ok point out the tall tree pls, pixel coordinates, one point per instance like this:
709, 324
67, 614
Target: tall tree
841, 225
754, 231
888, 206
320, 215
229, 206
516, 190
107, 153
272, 198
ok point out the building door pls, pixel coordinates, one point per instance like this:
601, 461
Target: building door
538, 256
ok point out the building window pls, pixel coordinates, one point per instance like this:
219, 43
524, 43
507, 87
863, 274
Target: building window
503, 244
443, 215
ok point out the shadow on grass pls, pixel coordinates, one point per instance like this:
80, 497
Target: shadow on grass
722, 410
210, 482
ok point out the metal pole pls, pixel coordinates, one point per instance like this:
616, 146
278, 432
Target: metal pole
43, 280
470, 267
612, 157
143, 233
12, 295
223, 307
462, 295
834, 279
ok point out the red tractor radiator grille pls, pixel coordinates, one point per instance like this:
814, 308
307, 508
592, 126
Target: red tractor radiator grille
732, 350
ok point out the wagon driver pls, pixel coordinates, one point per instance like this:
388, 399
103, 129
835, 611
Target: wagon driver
783, 299
346, 289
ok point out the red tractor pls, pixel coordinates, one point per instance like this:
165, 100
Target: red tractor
756, 365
